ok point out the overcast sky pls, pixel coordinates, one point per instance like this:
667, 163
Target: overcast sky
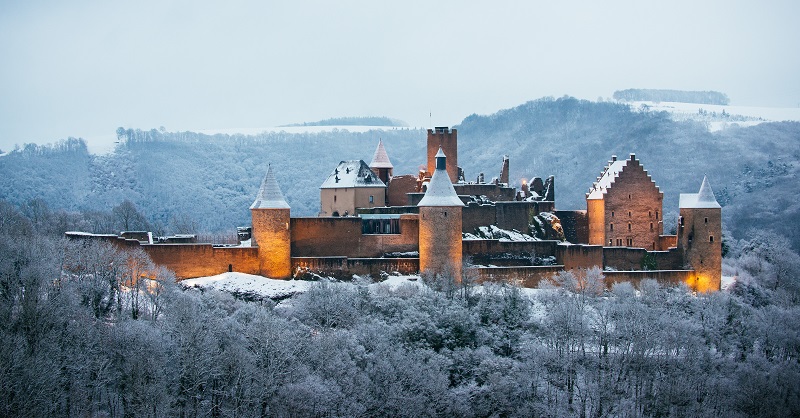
83, 68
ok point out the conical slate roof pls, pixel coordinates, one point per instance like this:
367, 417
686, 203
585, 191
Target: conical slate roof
702, 200
269, 195
380, 159
706, 194
440, 189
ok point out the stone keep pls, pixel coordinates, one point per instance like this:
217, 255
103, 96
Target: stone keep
446, 140
700, 236
440, 224
270, 216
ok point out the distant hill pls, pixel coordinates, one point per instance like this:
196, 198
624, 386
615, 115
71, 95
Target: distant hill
355, 121
212, 179
680, 96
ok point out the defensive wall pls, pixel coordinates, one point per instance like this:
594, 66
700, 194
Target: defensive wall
198, 260
623, 258
337, 236
344, 267
575, 224
525, 276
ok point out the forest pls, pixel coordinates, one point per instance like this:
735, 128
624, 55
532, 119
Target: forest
84, 333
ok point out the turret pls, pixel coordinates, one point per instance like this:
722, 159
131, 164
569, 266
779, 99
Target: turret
700, 237
271, 218
440, 224
380, 164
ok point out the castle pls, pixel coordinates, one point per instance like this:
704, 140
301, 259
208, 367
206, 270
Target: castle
434, 221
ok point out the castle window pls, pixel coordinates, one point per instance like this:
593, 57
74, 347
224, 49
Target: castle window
710, 238
380, 224
629, 242
629, 214
629, 197
629, 226
619, 242
649, 213
656, 214
334, 198
610, 242
705, 220
651, 226
681, 220
612, 227
612, 213
371, 199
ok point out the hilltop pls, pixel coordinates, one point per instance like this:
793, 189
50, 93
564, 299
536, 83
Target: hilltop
208, 180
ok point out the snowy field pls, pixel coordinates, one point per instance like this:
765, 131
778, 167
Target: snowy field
713, 114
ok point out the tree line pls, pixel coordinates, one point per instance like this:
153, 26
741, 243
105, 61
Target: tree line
680, 96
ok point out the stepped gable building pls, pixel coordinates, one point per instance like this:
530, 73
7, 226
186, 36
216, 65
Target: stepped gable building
624, 207
351, 185
443, 224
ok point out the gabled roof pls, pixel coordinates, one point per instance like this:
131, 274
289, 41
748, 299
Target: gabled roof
610, 175
353, 173
380, 159
703, 200
606, 179
440, 189
269, 195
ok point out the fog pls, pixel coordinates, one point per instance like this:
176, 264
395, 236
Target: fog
84, 68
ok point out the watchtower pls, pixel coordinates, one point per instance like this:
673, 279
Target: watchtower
700, 236
440, 223
270, 216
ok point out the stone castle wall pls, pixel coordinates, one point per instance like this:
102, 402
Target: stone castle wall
579, 256
199, 260
575, 224
329, 236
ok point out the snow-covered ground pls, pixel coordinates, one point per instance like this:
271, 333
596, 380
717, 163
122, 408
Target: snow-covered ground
720, 117
249, 284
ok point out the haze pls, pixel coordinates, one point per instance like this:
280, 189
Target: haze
84, 68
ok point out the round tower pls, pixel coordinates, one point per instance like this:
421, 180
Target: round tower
440, 224
270, 215
700, 237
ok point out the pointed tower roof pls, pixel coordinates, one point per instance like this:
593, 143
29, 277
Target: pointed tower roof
440, 189
704, 199
380, 159
269, 195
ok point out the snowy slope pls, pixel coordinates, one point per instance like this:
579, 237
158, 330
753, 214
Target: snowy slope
721, 117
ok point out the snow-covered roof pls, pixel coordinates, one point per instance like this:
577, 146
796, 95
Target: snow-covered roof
440, 189
702, 200
606, 179
380, 159
269, 195
353, 173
